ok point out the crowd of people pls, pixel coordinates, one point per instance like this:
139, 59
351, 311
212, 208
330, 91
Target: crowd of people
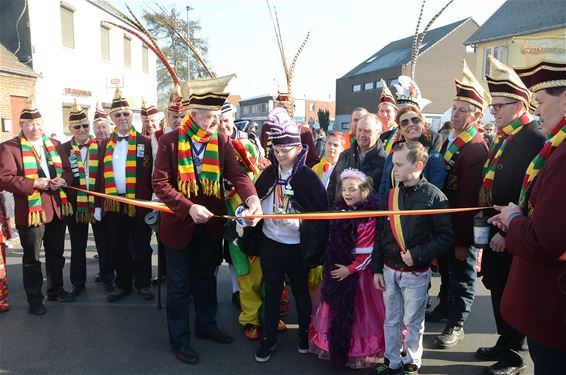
360, 285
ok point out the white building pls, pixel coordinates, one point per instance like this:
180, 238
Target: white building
78, 56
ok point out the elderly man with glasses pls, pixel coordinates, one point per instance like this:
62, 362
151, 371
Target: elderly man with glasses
125, 170
83, 153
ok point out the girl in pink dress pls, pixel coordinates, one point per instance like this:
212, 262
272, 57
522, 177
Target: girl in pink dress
347, 326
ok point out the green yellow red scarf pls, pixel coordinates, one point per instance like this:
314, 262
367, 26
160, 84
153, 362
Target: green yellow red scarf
85, 202
209, 176
393, 137
557, 136
501, 140
36, 215
110, 183
464, 137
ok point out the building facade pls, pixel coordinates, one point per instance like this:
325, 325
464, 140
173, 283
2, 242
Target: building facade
77, 55
439, 63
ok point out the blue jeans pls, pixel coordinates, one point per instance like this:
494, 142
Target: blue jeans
461, 285
191, 272
405, 299
547, 361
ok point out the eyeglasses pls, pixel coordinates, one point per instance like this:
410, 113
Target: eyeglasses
122, 114
497, 107
282, 150
84, 126
414, 120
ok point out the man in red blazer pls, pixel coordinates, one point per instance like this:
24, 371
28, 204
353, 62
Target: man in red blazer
465, 153
84, 154
534, 299
126, 170
35, 180
190, 164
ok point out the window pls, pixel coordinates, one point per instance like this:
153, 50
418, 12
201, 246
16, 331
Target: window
356, 88
127, 52
105, 43
145, 64
499, 52
246, 110
368, 86
67, 27
345, 126
311, 107
264, 108
378, 84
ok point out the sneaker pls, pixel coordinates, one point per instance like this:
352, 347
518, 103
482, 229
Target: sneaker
410, 369
384, 369
281, 327
263, 354
303, 344
251, 331
451, 335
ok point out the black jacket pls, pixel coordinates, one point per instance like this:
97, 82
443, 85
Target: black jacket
372, 166
309, 196
510, 170
426, 236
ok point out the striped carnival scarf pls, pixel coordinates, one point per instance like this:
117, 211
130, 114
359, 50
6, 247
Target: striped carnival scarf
85, 202
464, 137
36, 215
556, 138
108, 171
209, 176
351, 136
501, 140
393, 137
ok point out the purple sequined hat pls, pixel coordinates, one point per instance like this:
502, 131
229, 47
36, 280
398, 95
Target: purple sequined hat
283, 131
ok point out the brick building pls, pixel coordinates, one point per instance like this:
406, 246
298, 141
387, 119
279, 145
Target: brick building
17, 83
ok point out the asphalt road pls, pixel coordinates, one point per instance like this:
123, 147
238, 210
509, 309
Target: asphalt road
92, 336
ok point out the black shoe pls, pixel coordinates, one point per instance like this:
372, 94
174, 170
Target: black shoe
216, 336
451, 335
303, 344
236, 299
146, 293
109, 287
267, 347
118, 294
410, 369
437, 315
186, 355
505, 368
61, 296
492, 353
98, 279
37, 308
77, 290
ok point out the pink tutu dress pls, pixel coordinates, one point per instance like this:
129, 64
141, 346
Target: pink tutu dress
367, 342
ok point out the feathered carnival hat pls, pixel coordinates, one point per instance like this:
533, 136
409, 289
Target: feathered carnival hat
77, 116
353, 173
100, 115
504, 82
119, 103
470, 90
386, 96
283, 131
409, 93
206, 93
30, 112
150, 112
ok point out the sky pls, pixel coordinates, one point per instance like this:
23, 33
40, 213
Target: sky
343, 34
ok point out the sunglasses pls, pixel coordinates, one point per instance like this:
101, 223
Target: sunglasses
414, 120
122, 114
84, 126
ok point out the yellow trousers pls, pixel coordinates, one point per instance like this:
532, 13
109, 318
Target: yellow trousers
250, 294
